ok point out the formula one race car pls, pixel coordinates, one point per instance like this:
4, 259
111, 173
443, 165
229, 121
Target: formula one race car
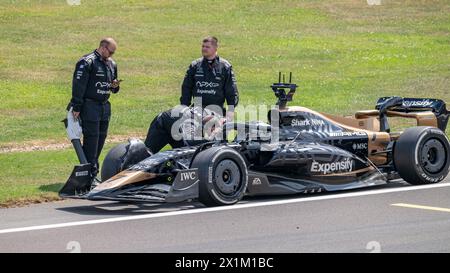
315, 152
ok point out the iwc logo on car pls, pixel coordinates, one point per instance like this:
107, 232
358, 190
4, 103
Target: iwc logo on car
345, 165
188, 176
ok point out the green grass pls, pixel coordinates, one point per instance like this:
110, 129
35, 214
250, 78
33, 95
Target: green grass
35, 175
343, 55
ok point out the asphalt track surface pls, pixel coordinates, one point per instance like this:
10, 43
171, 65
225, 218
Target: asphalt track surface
392, 218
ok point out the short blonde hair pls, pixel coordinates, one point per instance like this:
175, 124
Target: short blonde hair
213, 40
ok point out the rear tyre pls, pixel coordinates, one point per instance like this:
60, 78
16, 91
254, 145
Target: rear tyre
421, 155
222, 175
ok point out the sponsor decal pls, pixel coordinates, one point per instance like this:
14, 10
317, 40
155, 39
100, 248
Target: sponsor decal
347, 134
102, 84
105, 87
359, 146
431, 179
206, 84
345, 165
103, 92
256, 181
210, 176
307, 122
417, 103
83, 173
188, 176
210, 91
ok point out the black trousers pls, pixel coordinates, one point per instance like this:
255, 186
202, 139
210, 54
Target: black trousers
159, 133
95, 118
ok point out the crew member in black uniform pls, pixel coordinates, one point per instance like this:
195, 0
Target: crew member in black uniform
94, 79
210, 78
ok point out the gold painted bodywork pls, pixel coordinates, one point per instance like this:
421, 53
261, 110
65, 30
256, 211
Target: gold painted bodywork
363, 121
125, 178
368, 122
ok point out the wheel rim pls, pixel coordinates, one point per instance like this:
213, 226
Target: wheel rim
433, 156
227, 177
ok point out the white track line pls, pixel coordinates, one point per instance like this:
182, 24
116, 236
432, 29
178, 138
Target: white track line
413, 206
224, 208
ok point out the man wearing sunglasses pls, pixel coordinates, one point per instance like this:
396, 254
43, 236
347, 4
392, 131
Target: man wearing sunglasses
94, 79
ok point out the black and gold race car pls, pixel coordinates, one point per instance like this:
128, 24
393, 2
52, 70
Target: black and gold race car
314, 152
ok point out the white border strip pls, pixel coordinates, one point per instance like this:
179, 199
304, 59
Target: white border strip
224, 208
413, 206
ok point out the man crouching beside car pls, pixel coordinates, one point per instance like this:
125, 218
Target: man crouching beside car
209, 82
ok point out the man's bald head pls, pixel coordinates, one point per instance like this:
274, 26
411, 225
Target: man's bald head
107, 47
108, 41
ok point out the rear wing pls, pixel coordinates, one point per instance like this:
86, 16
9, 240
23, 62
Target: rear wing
437, 106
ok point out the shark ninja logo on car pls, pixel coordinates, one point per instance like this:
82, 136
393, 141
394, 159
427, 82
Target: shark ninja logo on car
306, 122
345, 165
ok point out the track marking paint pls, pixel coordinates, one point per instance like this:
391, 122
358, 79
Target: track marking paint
412, 206
224, 208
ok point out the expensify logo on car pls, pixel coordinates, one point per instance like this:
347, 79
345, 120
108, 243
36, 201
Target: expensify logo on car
345, 165
417, 103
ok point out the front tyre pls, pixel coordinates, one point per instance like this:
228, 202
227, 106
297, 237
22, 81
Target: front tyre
123, 156
421, 155
222, 174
